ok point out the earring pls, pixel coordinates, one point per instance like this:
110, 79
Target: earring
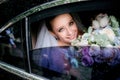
56, 38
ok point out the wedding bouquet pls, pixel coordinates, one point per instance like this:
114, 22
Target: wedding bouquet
101, 42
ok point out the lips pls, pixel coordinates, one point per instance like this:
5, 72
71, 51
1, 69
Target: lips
72, 37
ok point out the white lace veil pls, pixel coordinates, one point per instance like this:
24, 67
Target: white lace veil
45, 38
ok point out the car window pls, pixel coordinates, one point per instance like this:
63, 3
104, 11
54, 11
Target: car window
84, 59
11, 45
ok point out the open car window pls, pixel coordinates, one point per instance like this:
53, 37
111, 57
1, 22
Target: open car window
91, 56
63, 40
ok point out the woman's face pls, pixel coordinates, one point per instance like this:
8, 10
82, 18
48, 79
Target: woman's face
65, 28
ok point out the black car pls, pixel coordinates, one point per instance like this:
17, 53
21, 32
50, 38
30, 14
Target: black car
18, 39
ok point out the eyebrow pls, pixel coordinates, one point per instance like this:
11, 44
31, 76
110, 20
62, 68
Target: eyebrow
63, 26
59, 28
71, 19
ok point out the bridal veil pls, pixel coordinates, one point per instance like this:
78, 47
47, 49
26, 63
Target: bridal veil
45, 38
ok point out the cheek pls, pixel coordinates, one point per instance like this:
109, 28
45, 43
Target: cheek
62, 36
74, 28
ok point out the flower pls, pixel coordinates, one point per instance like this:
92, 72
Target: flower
101, 42
103, 19
95, 24
94, 50
109, 32
87, 60
85, 50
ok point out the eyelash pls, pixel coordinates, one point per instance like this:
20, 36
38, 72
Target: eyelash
60, 30
71, 23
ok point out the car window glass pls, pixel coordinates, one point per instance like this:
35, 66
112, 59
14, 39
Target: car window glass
11, 45
84, 60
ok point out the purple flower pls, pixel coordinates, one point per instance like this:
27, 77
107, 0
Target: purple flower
98, 59
117, 53
107, 53
85, 50
87, 60
94, 50
92, 54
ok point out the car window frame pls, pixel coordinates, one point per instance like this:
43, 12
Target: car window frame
28, 13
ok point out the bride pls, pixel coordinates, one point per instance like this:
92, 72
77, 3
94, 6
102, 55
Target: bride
55, 39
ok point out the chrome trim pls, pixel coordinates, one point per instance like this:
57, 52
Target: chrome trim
20, 72
27, 43
37, 9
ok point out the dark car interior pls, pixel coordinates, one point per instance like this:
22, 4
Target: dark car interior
14, 51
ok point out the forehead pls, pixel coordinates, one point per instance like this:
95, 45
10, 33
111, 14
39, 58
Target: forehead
65, 15
61, 19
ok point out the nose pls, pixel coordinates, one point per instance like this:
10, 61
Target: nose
69, 31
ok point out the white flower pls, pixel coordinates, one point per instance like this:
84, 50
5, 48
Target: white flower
83, 43
103, 20
92, 38
109, 32
95, 24
75, 42
99, 16
100, 33
109, 45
